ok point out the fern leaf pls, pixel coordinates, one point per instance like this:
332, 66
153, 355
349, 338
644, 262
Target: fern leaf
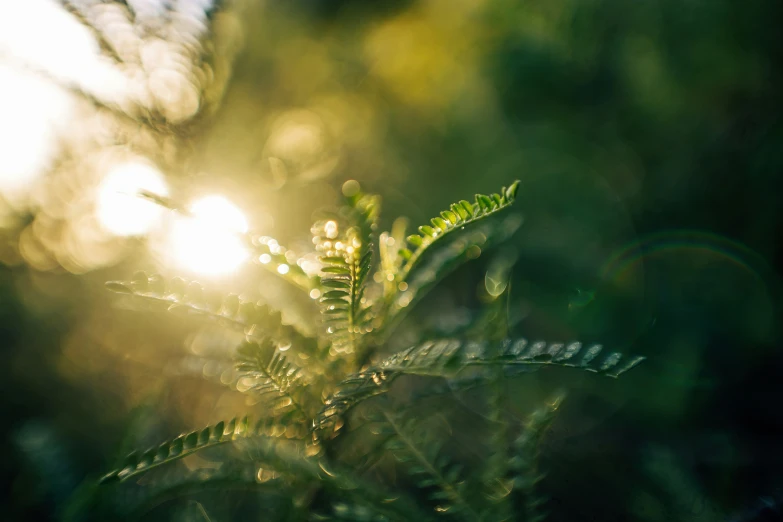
135, 464
269, 371
441, 263
166, 486
495, 467
363, 211
456, 217
347, 260
524, 465
181, 296
447, 358
425, 463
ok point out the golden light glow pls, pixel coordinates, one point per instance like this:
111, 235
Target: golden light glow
33, 115
120, 209
42, 35
208, 241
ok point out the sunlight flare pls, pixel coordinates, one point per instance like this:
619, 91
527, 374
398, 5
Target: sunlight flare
208, 240
120, 209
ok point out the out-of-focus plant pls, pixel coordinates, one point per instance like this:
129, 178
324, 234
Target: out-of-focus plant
315, 391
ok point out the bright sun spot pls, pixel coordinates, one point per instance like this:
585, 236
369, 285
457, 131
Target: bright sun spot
208, 241
120, 209
32, 116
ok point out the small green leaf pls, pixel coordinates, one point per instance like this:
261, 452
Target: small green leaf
405, 253
468, 207
427, 231
334, 283
119, 287
335, 293
450, 217
415, 240
335, 310
334, 301
460, 211
484, 202
335, 269
511, 192
439, 223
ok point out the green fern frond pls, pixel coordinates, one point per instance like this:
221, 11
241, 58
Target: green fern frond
495, 467
137, 502
524, 464
269, 371
135, 464
347, 259
301, 447
181, 296
426, 464
363, 211
368, 498
458, 216
447, 358
442, 262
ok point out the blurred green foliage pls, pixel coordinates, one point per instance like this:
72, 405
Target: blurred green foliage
647, 135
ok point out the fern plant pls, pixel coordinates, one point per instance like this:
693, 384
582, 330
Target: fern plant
319, 387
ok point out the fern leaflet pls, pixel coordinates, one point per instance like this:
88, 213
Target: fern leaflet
181, 296
347, 260
458, 216
425, 463
524, 465
482, 237
270, 372
187, 444
447, 358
